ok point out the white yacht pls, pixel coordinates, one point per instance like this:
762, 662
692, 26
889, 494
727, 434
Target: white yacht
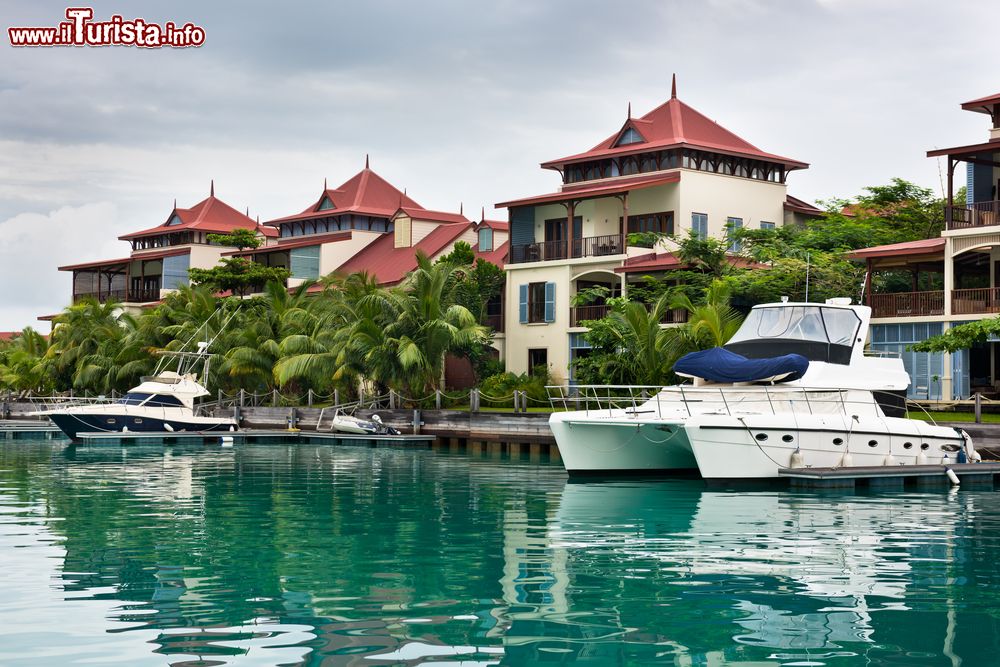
162, 403
792, 388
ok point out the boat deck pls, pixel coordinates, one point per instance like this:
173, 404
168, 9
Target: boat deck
980, 475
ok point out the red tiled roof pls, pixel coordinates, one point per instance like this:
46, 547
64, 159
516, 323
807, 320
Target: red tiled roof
292, 242
989, 146
209, 215
674, 124
801, 206
365, 193
922, 247
433, 216
983, 104
9, 335
653, 261
125, 260
496, 256
578, 192
390, 264
268, 231
499, 225
665, 261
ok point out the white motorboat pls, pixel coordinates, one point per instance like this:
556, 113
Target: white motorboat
794, 387
163, 402
349, 424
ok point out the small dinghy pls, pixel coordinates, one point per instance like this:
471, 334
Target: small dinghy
349, 424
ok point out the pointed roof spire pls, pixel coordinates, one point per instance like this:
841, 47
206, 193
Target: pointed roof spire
673, 86
366, 160
629, 109
211, 190
258, 219
461, 206
324, 184
175, 203
248, 211
482, 214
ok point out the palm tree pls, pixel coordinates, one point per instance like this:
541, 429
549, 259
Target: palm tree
709, 324
22, 365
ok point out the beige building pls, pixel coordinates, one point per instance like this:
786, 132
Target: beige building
162, 255
923, 288
670, 171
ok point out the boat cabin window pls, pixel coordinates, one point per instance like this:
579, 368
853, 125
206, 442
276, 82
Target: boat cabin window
816, 332
151, 400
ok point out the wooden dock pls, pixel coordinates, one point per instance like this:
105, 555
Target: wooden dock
12, 429
978, 475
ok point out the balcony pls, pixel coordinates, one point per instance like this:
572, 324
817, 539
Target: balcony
589, 246
907, 304
979, 214
578, 314
975, 301
101, 297
120, 295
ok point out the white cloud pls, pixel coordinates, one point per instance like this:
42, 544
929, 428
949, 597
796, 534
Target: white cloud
35, 244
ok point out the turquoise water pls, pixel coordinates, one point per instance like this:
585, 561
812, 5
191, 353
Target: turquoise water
322, 555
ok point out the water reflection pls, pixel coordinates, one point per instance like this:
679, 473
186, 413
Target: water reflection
266, 555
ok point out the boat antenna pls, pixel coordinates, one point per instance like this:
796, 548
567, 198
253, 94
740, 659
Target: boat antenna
807, 277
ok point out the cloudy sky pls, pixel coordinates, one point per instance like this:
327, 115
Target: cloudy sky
457, 101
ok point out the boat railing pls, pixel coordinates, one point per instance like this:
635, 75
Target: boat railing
41, 403
635, 401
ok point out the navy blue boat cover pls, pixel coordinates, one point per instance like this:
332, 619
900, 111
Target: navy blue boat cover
721, 365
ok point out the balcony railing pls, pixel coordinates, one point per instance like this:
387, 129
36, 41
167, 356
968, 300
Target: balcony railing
494, 321
906, 304
102, 297
975, 301
590, 246
978, 214
578, 314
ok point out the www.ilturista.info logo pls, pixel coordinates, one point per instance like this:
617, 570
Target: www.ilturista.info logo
81, 30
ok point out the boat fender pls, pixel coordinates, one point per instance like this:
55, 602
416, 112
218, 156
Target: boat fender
231, 428
889, 460
970, 450
124, 429
168, 427
846, 461
798, 461
961, 457
227, 441
921, 458
952, 477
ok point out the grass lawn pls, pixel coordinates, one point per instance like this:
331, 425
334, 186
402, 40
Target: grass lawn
941, 416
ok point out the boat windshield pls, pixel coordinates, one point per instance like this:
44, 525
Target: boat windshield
151, 400
817, 332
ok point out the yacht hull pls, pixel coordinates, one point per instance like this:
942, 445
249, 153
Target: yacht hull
589, 446
759, 447
72, 424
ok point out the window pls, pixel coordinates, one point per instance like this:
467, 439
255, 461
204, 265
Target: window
176, 220
304, 262
699, 224
175, 271
732, 224
403, 232
662, 223
324, 205
629, 136
485, 239
766, 225
538, 357
537, 303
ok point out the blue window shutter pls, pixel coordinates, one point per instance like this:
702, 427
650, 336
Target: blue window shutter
522, 306
550, 302
970, 183
304, 262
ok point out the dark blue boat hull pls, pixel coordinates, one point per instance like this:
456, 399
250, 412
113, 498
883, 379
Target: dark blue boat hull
74, 424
